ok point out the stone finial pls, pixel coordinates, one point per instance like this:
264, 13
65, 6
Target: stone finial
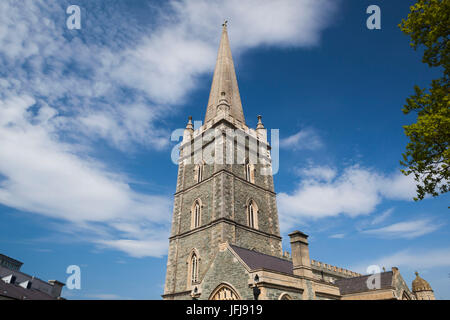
259, 125
189, 125
420, 284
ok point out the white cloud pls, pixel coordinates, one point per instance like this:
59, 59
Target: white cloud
406, 229
306, 139
356, 191
324, 173
62, 92
127, 76
45, 176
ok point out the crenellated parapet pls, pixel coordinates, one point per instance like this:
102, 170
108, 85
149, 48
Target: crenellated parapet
328, 268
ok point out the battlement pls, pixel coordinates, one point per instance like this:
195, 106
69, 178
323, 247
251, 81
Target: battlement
333, 269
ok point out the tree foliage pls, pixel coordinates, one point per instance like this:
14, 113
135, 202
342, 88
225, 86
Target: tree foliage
427, 154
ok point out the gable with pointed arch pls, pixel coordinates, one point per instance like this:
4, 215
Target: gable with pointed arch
224, 291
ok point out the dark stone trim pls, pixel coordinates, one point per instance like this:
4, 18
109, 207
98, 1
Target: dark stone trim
225, 220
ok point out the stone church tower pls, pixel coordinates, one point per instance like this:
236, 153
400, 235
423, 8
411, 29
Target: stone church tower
225, 241
224, 191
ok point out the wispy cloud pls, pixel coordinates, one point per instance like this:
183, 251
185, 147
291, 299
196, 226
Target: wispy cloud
382, 217
337, 236
116, 81
306, 139
407, 229
139, 248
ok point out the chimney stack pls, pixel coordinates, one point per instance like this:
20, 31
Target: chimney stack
300, 254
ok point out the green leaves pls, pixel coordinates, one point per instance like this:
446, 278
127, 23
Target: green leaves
427, 154
428, 25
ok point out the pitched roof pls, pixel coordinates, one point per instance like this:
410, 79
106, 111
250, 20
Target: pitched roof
14, 291
359, 284
257, 260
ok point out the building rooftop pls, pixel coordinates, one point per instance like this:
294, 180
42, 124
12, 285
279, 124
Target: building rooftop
359, 284
15, 291
10, 263
15, 284
257, 260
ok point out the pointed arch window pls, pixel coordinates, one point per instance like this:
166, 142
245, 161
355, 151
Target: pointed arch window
193, 262
252, 214
249, 171
194, 268
196, 214
198, 175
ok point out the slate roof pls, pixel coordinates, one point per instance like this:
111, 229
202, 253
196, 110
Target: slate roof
257, 260
14, 291
359, 284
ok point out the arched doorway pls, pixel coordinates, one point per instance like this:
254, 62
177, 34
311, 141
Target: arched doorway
224, 292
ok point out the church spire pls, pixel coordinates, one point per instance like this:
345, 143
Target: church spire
224, 89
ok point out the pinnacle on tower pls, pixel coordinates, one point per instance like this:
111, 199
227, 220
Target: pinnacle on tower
189, 125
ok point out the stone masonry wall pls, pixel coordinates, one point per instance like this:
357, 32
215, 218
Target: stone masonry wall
226, 269
224, 197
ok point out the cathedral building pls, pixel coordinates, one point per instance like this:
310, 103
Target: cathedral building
225, 241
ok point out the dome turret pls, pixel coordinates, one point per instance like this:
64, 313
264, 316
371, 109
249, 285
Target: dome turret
422, 289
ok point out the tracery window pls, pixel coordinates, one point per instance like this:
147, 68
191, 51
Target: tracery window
224, 292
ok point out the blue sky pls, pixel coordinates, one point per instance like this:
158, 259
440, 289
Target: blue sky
86, 176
